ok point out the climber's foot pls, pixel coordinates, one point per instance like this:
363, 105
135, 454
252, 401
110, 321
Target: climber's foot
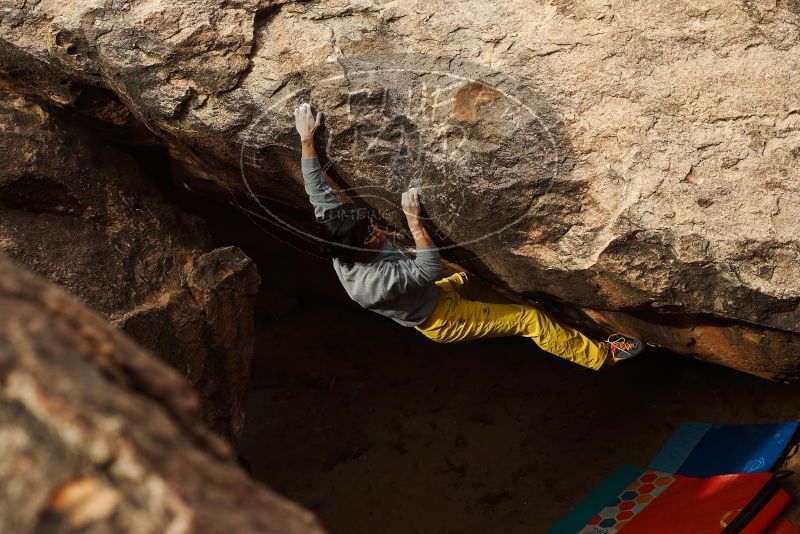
623, 347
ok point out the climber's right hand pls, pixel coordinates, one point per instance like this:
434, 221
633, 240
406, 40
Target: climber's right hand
411, 204
305, 122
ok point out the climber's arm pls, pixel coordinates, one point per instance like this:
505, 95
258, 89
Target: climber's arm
427, 263
320, 194
412, 208
307, 148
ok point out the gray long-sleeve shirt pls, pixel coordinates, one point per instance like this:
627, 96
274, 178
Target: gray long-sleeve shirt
389, 283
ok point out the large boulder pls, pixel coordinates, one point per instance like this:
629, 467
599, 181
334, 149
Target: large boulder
100, 436
82, 213
614, 157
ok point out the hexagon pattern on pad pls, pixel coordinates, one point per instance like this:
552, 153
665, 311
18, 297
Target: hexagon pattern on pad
630, 502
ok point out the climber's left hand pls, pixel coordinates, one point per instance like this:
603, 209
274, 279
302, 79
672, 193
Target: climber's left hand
305, 122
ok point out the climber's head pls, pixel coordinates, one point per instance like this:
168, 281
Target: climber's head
349, 230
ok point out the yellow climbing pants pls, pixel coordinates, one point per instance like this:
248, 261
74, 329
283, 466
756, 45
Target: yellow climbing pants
468, 308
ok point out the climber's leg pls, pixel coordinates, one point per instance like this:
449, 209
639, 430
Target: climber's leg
457, 319
471, 287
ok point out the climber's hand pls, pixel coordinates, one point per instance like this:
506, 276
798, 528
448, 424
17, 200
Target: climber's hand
411, 205
305, 122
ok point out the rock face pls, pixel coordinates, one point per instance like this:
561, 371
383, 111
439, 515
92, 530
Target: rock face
82, 214
618, 158
99, 436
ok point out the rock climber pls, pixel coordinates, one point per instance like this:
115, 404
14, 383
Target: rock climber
412, 292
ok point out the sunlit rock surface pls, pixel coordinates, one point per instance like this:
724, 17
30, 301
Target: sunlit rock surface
619, 157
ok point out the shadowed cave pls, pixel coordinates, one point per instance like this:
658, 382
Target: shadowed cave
377, 429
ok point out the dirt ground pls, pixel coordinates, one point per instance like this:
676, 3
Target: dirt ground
379, 430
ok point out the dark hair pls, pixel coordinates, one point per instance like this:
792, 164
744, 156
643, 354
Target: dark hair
345, 228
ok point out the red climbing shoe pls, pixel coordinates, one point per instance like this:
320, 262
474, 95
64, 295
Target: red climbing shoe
623, 347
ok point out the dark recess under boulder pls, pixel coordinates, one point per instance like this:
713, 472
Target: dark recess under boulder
83, 214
